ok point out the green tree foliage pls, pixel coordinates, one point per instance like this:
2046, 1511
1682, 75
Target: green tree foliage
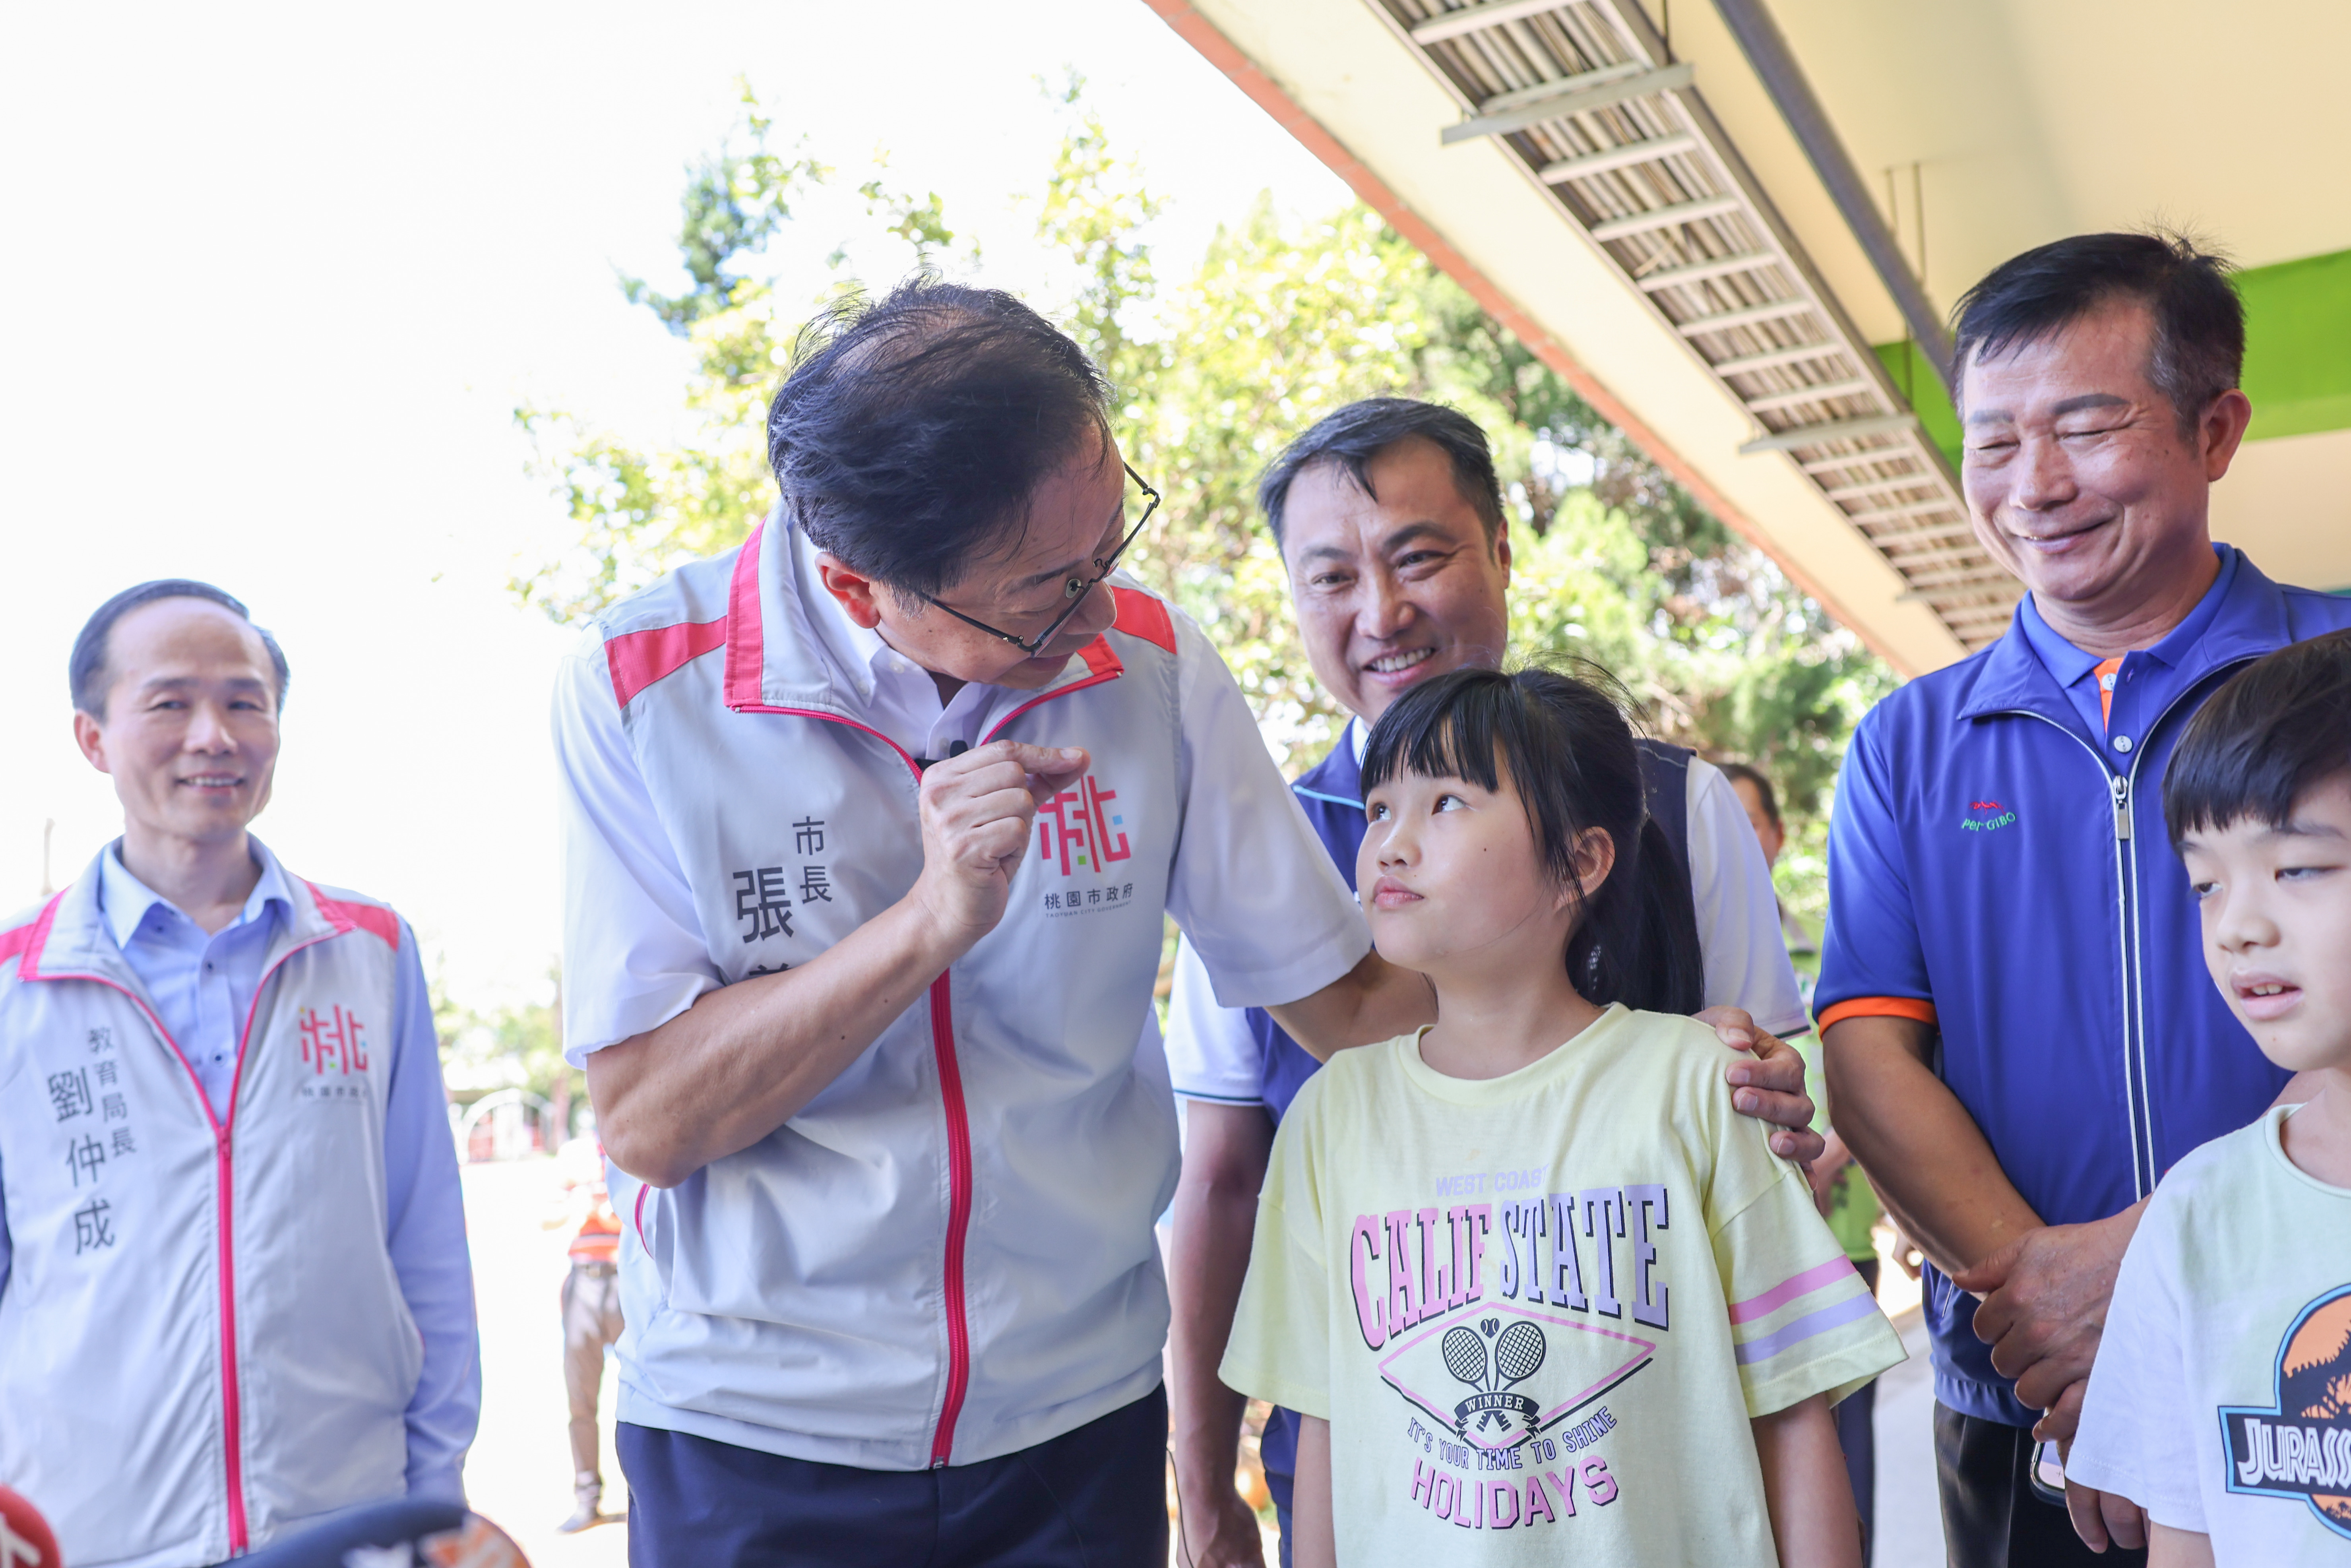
639, 512
1282, 322
518, 1046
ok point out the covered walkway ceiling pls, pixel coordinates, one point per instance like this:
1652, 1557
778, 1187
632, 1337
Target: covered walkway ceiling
1621, 185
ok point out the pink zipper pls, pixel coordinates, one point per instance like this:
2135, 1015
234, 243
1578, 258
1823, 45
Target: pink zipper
960, 1179
745, 655
232, 1412
943, 1048
959, 1184
232, 1415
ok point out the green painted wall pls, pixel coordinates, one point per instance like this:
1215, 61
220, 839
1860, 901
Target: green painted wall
2298, 345
2297, 354
1915, 379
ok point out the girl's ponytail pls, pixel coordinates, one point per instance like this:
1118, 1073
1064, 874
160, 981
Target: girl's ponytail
1663, 970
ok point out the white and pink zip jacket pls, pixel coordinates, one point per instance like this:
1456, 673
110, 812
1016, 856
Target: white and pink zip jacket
948, 1255
206, 1339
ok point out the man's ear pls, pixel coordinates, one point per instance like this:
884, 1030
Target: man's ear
857, 593
91, 738
2221, 431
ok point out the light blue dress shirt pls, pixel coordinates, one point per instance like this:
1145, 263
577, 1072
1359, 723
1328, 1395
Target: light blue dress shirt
202, 986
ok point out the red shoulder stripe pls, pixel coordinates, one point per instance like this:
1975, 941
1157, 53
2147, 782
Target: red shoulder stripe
373, 918
746, 644
638, 659
1141, 615
1100, 660
26, 942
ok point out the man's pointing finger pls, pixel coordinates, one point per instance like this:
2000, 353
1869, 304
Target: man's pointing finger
1053, 761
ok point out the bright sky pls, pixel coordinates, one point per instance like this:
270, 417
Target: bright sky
278, 276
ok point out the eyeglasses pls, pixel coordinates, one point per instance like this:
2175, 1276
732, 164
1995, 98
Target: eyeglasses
1074, 589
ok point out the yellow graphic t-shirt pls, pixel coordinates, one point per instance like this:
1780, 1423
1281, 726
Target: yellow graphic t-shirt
1539, 1311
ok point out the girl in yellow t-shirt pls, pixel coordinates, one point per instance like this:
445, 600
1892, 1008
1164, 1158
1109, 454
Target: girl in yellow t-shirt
1537, 1291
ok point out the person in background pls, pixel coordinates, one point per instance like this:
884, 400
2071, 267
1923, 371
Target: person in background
1840, 1189
234, 1291
591, 1321
2019, 1038
1391, 523
1761, 804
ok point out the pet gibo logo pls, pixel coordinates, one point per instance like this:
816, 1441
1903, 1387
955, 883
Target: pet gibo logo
2300, 1446
1987, 816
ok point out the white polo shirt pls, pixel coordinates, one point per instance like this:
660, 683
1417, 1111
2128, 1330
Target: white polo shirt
1212, 1055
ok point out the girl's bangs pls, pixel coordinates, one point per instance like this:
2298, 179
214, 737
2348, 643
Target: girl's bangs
1442, 729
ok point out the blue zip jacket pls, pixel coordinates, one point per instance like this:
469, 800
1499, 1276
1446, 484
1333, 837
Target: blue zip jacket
1995, 856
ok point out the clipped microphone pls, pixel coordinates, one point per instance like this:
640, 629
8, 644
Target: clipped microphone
26, 1540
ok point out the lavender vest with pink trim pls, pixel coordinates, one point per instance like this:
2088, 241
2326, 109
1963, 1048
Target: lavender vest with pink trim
948, 1255
203, 1341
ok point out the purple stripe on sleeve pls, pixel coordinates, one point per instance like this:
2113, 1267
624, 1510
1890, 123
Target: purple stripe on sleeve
1805, 1327
1787, 1291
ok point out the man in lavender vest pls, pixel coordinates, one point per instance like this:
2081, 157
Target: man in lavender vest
234, 1293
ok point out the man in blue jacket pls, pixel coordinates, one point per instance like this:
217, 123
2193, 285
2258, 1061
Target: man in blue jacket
2019, 1036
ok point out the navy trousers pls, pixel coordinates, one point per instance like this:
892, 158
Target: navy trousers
1092, 1497
1282, 1487
1991, 1516
1856, 1430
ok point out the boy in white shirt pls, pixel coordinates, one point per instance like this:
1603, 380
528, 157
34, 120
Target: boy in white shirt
2221, 1401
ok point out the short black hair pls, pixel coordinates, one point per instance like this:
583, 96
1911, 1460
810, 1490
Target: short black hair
86, 668
2199, 323
1763, 791
1570, 753
913, 430
1360, 431
2277, 730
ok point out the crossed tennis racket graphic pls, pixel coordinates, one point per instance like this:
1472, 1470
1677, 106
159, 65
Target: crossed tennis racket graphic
1517, 1354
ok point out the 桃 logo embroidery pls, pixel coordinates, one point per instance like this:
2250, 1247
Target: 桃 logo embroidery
1983, 816
334, 1042
1078, 828
2300, 1446
1082, 832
